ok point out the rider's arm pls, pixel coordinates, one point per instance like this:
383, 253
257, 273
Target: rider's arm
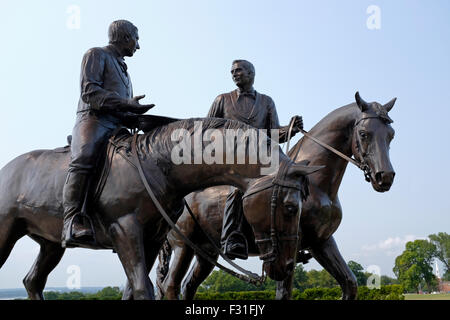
92, 91
216, 110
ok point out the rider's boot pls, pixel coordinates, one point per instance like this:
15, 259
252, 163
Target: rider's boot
76, 229
234, 242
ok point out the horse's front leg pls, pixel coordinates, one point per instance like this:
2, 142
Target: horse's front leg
151, 252
284, 288
127, 236
329, 257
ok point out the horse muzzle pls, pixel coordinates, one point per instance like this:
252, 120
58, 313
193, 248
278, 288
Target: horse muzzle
383, 180
278, 271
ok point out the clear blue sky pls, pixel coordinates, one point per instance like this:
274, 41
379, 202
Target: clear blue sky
310, 57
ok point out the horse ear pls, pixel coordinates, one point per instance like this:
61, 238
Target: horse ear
304, 162
388, 106
360, 102
300, 169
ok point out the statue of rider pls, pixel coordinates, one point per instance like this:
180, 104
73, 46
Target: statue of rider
106, 101
255, 109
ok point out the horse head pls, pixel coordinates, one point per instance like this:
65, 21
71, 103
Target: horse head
372, 136
276, 230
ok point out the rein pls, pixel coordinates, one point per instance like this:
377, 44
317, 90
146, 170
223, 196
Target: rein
360, 164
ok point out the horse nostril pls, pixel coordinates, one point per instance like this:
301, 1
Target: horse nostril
384, 178
378, 177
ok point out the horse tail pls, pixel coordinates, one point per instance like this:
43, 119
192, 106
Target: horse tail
163, 268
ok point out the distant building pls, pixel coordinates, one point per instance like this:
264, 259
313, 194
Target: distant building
443, 286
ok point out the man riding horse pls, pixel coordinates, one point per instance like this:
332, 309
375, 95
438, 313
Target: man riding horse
255, 109
106, 102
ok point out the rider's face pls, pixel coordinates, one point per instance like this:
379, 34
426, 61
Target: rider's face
241, 76
130, 44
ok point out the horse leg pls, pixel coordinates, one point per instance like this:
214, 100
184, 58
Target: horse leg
164, 256
182, 259
329, 257
151, 252
284, 288
49, 256
127, 237
11, 230
199, 272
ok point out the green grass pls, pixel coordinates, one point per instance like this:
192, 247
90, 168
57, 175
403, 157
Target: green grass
440, 296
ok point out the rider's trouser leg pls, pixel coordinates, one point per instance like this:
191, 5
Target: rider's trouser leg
232, 239
88, 138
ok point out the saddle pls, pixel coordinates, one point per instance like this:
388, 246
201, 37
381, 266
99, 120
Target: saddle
120, 143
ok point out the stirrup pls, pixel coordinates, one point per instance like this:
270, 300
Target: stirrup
70, 241
242, 240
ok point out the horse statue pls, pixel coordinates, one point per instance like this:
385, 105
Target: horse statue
123, 215
360, 129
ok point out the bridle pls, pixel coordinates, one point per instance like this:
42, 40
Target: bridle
277, 184
360, 158
361, 155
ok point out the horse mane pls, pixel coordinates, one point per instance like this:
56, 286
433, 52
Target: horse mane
158, 144
266, 181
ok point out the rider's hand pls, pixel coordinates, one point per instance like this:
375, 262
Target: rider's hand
298, 124
134, 106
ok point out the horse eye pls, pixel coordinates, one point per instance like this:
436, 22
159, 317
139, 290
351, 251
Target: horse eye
291, 209
363, 134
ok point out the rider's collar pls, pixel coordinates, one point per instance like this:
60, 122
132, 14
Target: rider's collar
250, 93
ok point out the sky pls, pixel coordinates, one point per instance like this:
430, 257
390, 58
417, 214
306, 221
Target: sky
310, 57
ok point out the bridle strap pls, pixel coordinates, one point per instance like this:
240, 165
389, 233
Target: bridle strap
360, 165
277, 184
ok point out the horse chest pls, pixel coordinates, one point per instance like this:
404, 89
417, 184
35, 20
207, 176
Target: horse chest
320, 218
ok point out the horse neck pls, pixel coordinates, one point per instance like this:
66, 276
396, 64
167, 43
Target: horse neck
188, 178
177, 180
336, 130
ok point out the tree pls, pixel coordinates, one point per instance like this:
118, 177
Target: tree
387, 281
358, 271
413, 266
320, 279
442, 243
220, 281
300, 277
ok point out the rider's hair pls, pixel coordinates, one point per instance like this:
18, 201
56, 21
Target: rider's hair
119, 29
246, 64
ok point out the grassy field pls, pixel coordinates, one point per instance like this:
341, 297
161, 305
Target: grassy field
441, 296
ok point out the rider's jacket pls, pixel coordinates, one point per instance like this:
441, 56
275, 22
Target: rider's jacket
253, 108
104, 80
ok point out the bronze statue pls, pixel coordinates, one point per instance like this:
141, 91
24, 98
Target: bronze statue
106, 102
255, 109
124, 217
360, 129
